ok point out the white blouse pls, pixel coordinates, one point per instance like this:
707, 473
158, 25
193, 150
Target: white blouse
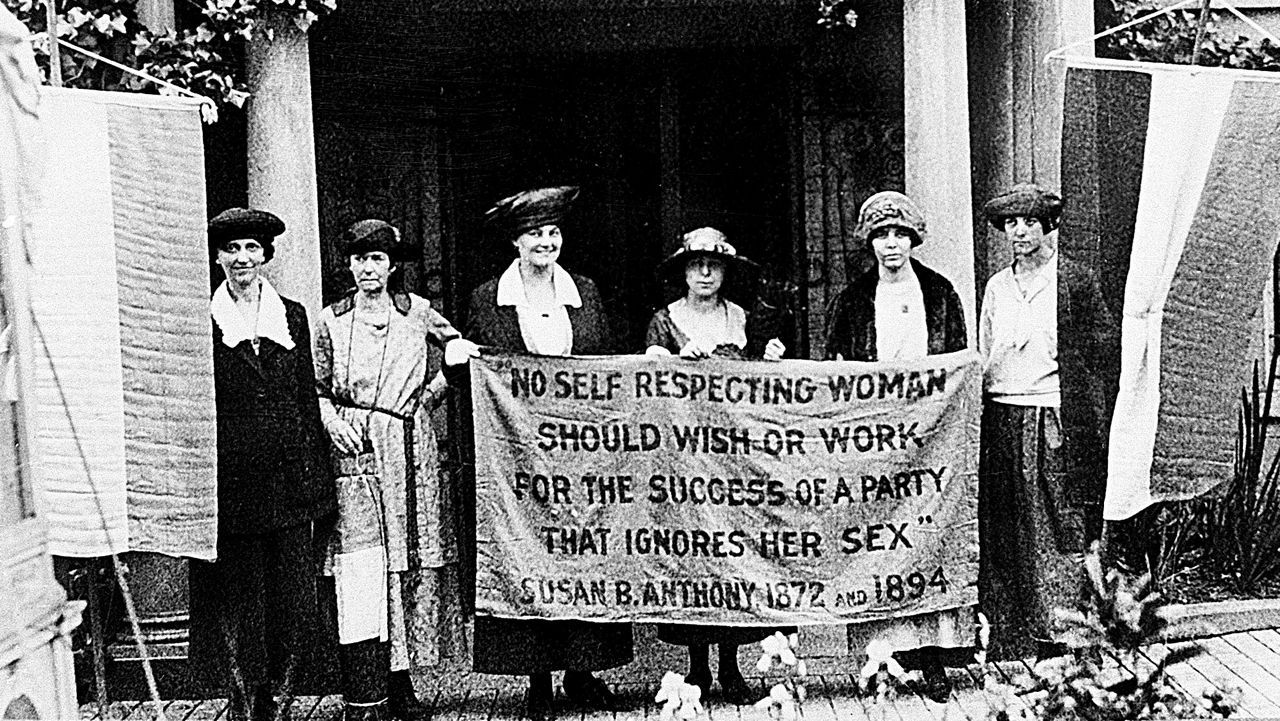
902, 331
546, 330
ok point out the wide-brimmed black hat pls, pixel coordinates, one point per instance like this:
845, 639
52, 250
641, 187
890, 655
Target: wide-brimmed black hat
529, 209
705, 243
1026, 200
243, 223
372, 235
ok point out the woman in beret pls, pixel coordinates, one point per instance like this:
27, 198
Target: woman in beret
901, 310
537, 306
254, 609
703, 323
1032, 534
395, 564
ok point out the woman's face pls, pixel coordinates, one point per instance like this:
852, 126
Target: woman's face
371, 270
1026, 234
539, 247
892, 246
704, 276
241, 261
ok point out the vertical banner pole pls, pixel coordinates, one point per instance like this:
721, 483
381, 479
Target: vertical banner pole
1201, 25
55, 53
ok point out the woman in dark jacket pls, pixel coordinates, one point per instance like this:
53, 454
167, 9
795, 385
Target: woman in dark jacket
901, 310
255, 607
703, 323
852, 321
538, 307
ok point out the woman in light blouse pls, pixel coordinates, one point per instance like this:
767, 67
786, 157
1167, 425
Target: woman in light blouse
1031, 523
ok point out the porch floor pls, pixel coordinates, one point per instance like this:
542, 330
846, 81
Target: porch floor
1248, 660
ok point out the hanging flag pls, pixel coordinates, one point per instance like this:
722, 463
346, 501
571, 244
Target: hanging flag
126, 428
1171, 184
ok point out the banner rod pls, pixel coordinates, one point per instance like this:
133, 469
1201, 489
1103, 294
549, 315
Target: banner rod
55, 55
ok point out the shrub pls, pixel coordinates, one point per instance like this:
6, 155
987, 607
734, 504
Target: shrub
1242, 525
1104, 676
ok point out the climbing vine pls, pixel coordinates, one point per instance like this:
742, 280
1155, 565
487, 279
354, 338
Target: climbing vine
1170, 38
205, 59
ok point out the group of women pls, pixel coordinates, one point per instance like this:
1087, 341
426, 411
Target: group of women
348, 430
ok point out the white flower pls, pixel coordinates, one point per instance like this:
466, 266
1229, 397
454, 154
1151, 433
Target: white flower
880, 653
776, 646
670, 688
680, 701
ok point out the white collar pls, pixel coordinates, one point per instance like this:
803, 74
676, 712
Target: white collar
236, 330
511, 287
1046, 277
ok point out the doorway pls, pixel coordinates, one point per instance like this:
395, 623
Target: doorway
661, 142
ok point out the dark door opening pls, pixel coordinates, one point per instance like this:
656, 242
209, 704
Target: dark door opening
661, 143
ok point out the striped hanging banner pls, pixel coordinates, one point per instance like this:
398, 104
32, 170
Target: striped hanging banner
126, 430
1170, 179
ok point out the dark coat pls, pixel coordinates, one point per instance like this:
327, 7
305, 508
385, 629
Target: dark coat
527, 646
851, 320
273, 465
493, 325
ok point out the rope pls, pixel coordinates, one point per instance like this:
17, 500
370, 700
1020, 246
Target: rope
116, 564
1060, 52
134, 71
1247, 21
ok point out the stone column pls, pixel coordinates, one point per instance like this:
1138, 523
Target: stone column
1016, 101
936, 109
282, 154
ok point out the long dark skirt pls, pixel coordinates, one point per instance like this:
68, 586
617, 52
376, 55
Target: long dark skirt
1031, 536
682, 634
254, 612
518, 647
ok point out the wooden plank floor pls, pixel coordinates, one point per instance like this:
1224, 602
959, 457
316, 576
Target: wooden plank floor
1249, 661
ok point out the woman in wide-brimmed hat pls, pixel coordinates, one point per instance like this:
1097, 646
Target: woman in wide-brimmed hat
254, 610
703, 321
901, 310
537, 306
395, 558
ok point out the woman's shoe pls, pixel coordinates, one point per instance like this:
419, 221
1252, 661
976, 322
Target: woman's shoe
935, 685
735, 690
376, 711
537, 702
402, 701
702, 679
586, 690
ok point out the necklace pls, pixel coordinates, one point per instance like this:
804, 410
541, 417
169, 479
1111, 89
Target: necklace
382, 362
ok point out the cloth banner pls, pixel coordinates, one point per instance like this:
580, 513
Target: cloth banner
1169, 182
727, 492
124, 374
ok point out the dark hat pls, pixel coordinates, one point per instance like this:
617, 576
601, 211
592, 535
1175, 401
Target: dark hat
890, 209
703, 243
531, 209
372, 235
241, 223
1027, 200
